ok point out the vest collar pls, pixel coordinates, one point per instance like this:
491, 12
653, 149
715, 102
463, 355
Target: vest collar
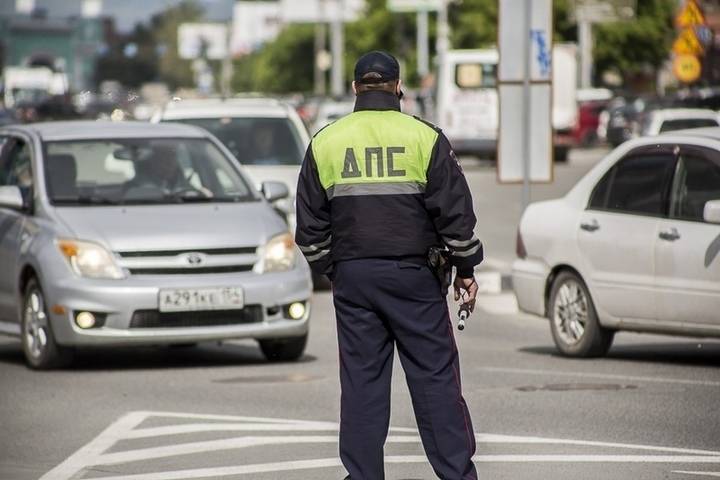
377, 100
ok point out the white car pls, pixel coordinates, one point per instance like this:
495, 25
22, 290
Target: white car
672, 119
330, 110
267, 136
635, 245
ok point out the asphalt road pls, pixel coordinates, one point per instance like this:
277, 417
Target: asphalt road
647, 411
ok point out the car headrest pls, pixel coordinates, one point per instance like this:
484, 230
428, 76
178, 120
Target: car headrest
62, 174
63, 165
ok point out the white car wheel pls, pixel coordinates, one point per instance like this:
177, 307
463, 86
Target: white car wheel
38, 341
573, 320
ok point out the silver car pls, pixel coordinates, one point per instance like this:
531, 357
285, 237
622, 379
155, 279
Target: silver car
137, 234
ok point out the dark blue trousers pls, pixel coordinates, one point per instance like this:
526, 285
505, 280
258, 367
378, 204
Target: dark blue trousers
381, 304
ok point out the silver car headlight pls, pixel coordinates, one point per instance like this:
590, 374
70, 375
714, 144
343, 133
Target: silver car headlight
279, 254
89, 259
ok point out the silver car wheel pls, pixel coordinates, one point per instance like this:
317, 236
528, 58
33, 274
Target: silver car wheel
36, 325
570, 312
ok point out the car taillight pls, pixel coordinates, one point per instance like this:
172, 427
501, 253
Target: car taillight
520, 246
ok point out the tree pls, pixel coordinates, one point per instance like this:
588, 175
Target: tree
284, 65
174, 70
636, 46
287, 63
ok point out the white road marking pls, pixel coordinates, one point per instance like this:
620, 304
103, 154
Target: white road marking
128, 428
480, 437
86, 456
701, 474
608, 376
225, 427
332, 462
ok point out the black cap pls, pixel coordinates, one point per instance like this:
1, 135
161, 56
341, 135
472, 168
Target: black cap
381, 63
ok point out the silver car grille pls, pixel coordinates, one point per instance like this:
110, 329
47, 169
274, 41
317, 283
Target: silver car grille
188, 261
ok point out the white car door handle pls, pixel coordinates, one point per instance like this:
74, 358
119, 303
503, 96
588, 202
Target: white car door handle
591, 226
669, 235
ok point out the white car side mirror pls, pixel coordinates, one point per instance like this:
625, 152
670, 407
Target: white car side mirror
711, 213
273, 191
11, 197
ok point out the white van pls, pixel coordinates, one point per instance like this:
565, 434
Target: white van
468, 101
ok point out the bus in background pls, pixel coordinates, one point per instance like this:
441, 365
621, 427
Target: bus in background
468, 108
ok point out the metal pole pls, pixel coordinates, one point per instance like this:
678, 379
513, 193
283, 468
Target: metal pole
526, 107
227, 66
586, 54
320, 46
336, 46
423, 54
442, 43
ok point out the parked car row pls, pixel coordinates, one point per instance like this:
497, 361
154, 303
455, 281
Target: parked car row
625, 118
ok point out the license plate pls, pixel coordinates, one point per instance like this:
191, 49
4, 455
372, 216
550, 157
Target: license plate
191, 299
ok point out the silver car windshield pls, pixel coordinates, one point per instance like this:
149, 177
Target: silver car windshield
255, 141
141, 171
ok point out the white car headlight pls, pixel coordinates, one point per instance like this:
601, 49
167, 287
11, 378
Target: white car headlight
89, 259
278, 254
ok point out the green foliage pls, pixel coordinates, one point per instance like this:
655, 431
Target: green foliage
473, 23
174, 70
638, 45
287, 64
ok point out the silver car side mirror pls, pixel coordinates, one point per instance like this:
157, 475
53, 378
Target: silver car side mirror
273, 191
11, 197
711, 212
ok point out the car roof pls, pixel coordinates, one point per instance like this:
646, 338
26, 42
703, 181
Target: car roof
685, 113
80, 130
231, 107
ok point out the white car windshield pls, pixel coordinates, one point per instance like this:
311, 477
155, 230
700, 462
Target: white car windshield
685, 123
255, 141
141, 171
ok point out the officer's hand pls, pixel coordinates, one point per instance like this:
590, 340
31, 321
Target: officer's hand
467, 289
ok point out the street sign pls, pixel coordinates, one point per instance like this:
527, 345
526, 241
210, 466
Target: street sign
704, 34
315, 11
254, 24
690, 15
91, 8
525, 93
511, 40
202, 39
687, 68
515, 143
600, 11
414, 5
687, 43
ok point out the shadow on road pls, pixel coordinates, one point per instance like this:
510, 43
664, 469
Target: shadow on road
697, 353
156, 358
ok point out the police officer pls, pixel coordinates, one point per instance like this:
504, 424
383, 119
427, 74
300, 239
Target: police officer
377, 190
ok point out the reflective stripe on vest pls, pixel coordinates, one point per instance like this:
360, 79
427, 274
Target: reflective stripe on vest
374, 153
